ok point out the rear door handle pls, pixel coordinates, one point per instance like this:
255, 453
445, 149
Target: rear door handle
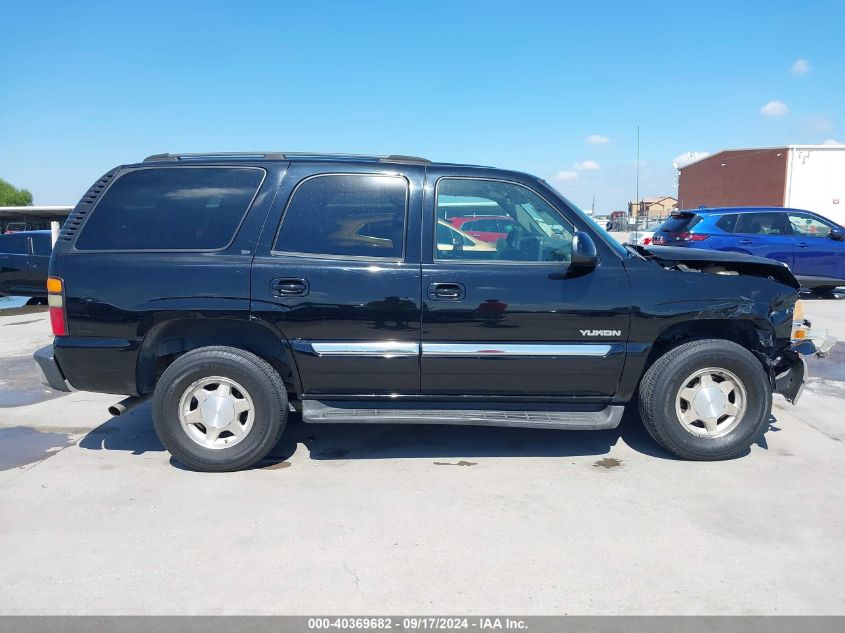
801, 245
746, 242
287, 287
450, 291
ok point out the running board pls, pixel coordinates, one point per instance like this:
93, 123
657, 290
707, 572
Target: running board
572, 417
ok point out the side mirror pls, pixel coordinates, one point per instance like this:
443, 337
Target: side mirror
584, 254
837, 234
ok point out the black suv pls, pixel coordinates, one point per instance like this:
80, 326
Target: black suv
234, 287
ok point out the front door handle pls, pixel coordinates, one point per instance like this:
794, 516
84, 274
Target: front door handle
746, 242
450, 291
287, 287
801, 245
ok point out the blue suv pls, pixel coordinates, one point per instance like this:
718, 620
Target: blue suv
812, 246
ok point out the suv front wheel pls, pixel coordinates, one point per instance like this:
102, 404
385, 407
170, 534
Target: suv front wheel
706, 400
219, 409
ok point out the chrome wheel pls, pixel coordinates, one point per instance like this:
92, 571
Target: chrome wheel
711, 402
216, 412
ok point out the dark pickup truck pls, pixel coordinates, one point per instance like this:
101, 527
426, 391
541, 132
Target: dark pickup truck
232, 288
24, 258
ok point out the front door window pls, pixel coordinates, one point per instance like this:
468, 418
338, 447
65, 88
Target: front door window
531, 229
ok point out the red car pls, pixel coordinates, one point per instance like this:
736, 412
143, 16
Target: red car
487, 228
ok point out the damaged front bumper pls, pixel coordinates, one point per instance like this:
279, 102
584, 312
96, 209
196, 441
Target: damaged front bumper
791, 374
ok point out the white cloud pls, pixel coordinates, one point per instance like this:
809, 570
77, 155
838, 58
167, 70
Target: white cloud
774, 108
598, 139
587, 165
800, 67
682, 160
565, 176
831, 141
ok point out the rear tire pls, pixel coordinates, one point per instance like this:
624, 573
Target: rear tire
219, 409
706, 400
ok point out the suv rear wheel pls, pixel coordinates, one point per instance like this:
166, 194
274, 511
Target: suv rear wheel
219, 409
706, 400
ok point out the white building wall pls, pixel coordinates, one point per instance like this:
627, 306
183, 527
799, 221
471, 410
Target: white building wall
815, 180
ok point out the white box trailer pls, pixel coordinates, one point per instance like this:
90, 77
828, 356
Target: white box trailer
815, 180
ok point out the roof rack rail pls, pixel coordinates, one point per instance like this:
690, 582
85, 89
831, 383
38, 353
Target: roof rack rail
245, 155
391, 158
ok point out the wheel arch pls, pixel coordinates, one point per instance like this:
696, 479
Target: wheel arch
167, 341
753, 334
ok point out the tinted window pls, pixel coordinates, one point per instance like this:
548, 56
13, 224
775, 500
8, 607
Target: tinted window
761, 224
808, 226
447, 237
727, 223
13, 244
346, 215
41, 245
486, 225
679, 222
180, 208
539, 232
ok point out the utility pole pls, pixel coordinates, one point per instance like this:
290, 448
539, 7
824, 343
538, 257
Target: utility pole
639, 205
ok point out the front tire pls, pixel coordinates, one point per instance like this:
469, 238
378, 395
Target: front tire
219, 409
706, 400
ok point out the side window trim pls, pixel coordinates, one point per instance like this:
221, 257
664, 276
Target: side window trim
501, 262
364, 258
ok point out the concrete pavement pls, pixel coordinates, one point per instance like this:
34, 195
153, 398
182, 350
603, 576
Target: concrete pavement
96, 518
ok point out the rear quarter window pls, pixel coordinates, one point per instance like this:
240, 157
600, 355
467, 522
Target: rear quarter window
727, 223
167, 208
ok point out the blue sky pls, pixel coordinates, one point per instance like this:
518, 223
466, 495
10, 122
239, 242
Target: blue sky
522, 85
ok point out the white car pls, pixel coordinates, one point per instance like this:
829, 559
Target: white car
641, 238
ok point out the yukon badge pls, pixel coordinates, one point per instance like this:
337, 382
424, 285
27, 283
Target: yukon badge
601, 332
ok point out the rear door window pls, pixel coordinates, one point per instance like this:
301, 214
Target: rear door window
346, 215
171, 208
13, 244
41, 245
761, 224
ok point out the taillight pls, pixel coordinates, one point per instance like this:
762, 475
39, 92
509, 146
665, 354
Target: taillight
693, 237
646, 241
56, 305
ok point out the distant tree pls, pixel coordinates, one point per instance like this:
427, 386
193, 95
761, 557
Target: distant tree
11, 196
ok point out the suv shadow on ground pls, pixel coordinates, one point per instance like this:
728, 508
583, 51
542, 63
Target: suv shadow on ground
133, 432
